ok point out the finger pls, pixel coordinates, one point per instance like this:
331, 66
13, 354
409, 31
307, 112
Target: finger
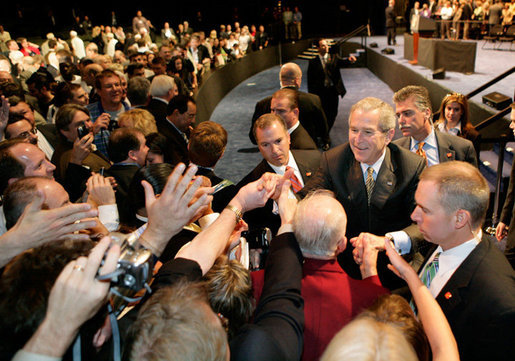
74, 237
201, 202
111, 259
95, 257
173, 179
186, 195
73, 221
66, 272
74, 227
36, 204
71, 210
150, 197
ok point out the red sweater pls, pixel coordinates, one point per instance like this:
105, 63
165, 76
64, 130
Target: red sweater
331, 300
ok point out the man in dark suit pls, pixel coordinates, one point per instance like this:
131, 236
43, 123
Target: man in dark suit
205, 148
177, 124
127, 149
325, 79
473, 284
274, 144
508, 209
284, 103
389, 13
373, 179
162, 90
413, 109
311, 113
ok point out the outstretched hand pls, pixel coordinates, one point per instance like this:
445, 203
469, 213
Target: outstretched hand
75, 297
171, 210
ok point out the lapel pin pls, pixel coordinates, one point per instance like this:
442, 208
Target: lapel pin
449, 155
308, 174
389, 183
448, 295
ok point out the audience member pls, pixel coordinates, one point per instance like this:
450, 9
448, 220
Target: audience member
177, 125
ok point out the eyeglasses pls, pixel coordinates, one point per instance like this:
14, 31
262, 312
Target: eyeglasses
27, 134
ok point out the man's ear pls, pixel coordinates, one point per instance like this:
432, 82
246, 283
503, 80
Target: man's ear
389, 136
462, 218
342, 244
131, 155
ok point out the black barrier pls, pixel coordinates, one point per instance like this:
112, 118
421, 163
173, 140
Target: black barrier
221, 81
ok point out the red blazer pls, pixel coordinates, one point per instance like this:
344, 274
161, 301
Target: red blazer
331, 300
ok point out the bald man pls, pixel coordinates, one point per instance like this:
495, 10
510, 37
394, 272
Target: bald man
311, 113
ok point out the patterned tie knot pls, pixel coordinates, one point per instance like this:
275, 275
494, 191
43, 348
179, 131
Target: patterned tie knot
295, 183
430, 270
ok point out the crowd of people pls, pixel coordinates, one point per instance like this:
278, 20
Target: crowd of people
119, 241
465, 19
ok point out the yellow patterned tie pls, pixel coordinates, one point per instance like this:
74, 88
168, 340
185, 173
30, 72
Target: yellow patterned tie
420, 151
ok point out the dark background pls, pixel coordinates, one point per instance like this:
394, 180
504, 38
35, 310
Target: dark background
327, 17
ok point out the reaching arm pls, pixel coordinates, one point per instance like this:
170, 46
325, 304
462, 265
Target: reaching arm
438, 331
75, 297
36, 227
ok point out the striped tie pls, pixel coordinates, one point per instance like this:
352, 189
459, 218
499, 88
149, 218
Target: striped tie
430, 271
369, 183
295, 183
427, 275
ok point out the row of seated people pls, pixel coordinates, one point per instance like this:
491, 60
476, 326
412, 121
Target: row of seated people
374, 179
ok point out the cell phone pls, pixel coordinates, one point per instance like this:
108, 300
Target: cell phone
82, 131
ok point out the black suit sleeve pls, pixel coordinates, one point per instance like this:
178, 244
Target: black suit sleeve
277, 332
507, 210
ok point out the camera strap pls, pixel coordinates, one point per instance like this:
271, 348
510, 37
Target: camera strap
77, 351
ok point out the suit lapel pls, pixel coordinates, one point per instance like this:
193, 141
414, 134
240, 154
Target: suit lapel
356, 184
385, 182
446, 151
304, 169
450, 295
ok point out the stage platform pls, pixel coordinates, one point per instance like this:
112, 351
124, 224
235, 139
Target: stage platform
397, 72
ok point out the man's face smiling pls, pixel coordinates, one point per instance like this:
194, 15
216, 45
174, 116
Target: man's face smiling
274, 144
111, 91
366, 139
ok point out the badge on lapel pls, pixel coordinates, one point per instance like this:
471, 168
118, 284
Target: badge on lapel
308, 174
449, 155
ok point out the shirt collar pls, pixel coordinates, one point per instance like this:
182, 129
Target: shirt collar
291, 163
292, 129
376, 165
430, 140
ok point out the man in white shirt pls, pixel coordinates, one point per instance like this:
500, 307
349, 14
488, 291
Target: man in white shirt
470, 278
273, 141
413, 110
373, 179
